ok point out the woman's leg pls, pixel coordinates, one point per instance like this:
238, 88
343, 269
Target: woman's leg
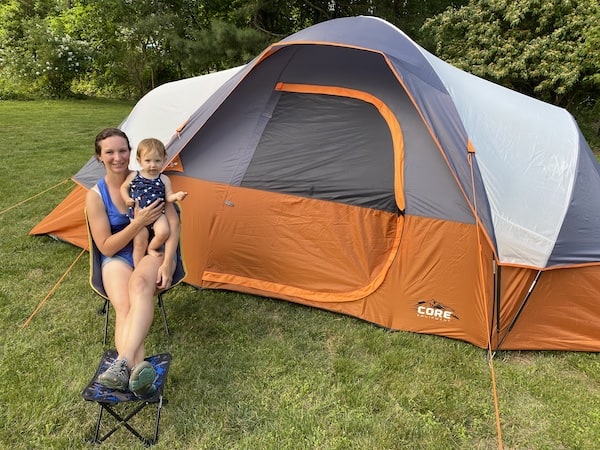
142, 287
115, 276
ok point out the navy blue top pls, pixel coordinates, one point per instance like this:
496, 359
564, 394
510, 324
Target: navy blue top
117, 221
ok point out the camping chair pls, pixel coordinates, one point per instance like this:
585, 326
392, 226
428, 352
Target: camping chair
123, 406
98, 286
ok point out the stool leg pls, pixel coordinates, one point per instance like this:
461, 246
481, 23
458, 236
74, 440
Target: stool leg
98, 422
158, 409
123, 421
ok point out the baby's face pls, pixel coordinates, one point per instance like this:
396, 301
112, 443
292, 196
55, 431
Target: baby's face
152, 163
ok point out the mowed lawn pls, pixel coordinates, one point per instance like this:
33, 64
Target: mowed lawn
247, 372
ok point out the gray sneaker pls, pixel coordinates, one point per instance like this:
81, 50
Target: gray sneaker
141, 381
116, 376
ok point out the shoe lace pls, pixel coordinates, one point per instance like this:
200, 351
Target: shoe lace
118, 368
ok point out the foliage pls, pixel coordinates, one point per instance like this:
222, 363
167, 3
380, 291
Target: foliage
125, 48
550, 50
42, 49
545, 49
220, 46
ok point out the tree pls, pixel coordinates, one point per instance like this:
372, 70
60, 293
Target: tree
127, 47
536, 47
37, 48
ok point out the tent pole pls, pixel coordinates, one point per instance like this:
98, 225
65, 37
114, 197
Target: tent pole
525, 300
495, 320
497, 294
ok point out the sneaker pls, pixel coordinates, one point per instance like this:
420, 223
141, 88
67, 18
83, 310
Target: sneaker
116, 376
141, 381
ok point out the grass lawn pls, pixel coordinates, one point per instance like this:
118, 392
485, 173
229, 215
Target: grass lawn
247, 372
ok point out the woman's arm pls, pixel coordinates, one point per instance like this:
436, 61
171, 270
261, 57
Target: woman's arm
109, 244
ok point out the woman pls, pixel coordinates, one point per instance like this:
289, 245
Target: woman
130, 290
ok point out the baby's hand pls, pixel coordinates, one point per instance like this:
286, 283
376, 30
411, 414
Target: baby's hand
130, 203
180, 195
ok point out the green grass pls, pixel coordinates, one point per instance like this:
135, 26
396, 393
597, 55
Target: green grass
247, 372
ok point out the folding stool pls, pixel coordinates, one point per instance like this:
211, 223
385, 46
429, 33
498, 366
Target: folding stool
124, 405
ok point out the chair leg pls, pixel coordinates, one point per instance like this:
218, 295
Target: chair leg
106, 310
161, 305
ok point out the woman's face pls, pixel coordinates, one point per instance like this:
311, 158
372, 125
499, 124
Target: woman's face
115, 154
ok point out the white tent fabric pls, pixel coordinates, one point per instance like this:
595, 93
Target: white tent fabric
168, 106
508, 147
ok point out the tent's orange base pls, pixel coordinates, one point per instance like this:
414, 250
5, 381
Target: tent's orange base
67, 221
410, 273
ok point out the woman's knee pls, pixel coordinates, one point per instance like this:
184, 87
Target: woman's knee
116, 276
142, 281
119, 300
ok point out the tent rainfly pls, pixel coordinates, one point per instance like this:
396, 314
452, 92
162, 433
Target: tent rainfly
348, 169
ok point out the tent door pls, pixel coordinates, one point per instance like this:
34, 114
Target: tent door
316, 215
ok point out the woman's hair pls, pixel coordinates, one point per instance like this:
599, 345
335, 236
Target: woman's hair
151, 145
106, 133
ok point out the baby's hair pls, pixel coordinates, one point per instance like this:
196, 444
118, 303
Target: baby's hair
151, 145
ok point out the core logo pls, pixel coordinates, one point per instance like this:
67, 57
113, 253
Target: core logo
432, 309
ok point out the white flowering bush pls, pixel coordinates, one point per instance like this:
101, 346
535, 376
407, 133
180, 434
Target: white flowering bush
47, 58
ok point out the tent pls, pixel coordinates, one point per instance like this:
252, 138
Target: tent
348, 169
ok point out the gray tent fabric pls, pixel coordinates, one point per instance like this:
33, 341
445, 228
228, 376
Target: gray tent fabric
579, 235
435, 195
316, 146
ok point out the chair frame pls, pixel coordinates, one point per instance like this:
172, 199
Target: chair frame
105, 310
98, 286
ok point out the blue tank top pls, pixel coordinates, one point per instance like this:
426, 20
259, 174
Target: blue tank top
117, 221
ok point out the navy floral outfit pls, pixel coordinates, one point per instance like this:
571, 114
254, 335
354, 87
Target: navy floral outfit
146, 191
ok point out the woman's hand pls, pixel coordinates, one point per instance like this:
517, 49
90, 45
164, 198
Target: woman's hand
164, 276
149, 214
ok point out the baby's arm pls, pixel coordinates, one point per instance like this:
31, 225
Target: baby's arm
170, 196
125, 190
